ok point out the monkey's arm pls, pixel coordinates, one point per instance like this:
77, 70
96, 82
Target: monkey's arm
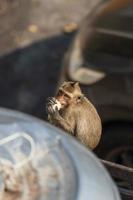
58, 120
65, 120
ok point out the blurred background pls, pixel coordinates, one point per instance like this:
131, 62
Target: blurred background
38, 50
33, 44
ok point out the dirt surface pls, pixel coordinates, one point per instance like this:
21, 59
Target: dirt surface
47, 16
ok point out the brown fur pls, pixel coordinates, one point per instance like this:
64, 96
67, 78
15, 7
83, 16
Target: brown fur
79, 117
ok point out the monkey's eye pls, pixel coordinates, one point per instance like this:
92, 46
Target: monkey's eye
60, 93
79, 98
66, 96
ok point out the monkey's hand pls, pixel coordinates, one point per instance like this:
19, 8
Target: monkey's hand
52, 106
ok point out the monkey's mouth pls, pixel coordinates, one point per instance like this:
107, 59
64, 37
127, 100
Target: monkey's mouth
62, 101
63, 105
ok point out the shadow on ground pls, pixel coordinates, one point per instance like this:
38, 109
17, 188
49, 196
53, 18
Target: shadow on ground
28, 76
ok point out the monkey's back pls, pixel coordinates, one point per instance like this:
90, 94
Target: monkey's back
88, 127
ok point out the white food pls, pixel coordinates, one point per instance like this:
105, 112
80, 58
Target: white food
57, 105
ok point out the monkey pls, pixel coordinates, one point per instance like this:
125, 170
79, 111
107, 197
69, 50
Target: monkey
71, 111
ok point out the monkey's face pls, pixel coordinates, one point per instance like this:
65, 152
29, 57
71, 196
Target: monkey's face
63, 98
67, 93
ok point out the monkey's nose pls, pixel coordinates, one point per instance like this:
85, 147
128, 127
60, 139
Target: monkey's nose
60, 98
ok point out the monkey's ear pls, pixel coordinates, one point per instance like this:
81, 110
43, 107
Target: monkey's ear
72, 83
76, 84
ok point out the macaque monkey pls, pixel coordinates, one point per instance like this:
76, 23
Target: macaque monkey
74, 113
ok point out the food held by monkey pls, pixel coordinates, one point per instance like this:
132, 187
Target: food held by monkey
56, 105
73, 112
